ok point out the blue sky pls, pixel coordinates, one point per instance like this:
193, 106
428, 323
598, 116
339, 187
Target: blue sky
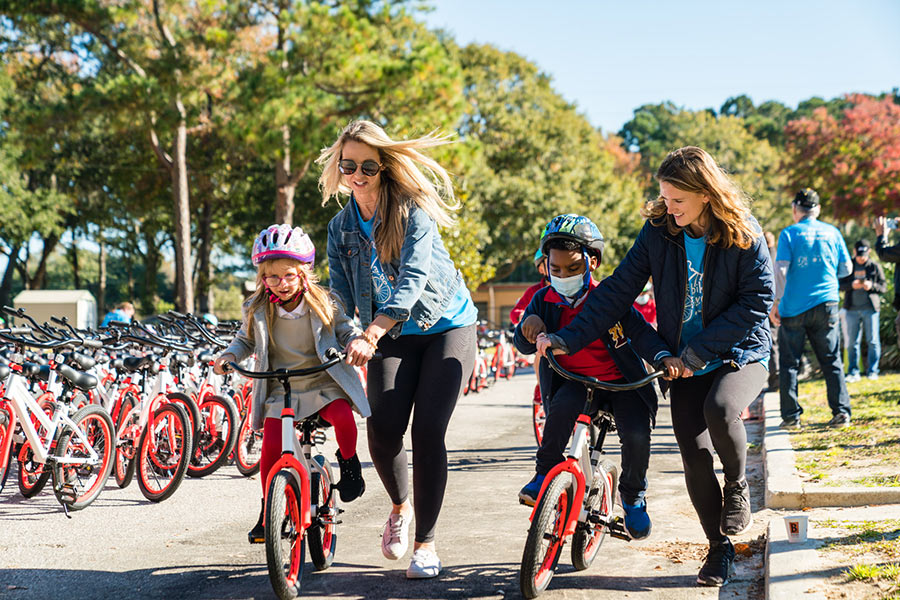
611, 57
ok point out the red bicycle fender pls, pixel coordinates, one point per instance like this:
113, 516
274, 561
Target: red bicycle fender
290, 462
569, 465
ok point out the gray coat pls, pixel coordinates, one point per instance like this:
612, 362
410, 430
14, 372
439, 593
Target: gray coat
342, 373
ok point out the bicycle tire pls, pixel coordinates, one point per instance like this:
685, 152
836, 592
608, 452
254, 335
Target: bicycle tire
588, 536
6, 445
193, 414
164, 452
32, 475
217, 436
538, 420
249, 448
510, 364
127, 429
285, 547
545, 536
76, 486
322, 534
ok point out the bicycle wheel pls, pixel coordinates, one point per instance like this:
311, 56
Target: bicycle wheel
538, 418
77, 485
285, 550
545, 537
128, 432
510, 362
6, 446
217, 436
249, 447
193, 414
588, 536
322, 534
164, 452
33, 475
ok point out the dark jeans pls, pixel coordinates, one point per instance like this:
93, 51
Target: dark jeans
773, 360
632, 417
706, 417
821, 325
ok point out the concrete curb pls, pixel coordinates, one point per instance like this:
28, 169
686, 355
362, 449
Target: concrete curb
784, 489
790, 567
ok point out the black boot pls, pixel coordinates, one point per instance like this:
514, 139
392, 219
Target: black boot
352, 485
257, 535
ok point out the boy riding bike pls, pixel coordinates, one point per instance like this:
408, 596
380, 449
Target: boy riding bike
573, 247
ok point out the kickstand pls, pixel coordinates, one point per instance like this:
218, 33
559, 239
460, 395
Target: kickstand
66, 510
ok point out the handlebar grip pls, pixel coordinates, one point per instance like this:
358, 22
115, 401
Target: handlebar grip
9, 310
16, 331
58, 321
118, 324
93, 344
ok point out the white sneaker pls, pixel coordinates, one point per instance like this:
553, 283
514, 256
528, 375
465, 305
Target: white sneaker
852, 378
873, 376
424, 564
395, 537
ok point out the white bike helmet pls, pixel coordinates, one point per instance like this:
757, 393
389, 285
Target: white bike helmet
283, 241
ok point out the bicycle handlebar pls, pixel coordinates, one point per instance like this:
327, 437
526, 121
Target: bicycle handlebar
332, 357
596, 383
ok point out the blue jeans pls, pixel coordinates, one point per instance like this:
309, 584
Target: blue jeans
869, 319
821, 325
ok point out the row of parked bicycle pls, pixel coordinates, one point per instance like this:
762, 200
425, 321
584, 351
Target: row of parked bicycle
129, 400
496, 357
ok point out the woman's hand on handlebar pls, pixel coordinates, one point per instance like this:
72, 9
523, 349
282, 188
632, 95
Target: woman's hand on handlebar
220, 364
358, 352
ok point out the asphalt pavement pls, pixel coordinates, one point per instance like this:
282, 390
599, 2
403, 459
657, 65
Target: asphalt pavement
194, 544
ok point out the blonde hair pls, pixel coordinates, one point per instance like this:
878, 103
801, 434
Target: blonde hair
407, 177
692, 169
317, 298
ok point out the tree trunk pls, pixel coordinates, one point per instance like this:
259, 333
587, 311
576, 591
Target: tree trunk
204, 274
39, 280
184, 284
101, 279
73, 258
284, 186
152, 258
6, 284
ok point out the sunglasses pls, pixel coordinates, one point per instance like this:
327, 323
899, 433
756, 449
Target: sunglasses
368, 167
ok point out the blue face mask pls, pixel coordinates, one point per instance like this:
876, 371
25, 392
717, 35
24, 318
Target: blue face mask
567, 286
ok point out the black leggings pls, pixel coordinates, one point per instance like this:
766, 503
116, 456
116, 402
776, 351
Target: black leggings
706, 415
422, 375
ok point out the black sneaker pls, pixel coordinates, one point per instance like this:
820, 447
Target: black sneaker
793, 423
719, 564
352, 485
257, 535
736, 515
839, 420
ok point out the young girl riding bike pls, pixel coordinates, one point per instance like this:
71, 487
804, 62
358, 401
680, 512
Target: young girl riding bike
573, 247
289, 322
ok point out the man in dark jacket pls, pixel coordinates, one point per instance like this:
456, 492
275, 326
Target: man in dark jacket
862, 303
890, 254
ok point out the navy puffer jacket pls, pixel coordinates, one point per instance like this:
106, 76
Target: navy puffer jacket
738, 292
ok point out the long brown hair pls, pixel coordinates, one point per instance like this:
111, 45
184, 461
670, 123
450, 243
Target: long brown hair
317, 298
692, 169
408, 177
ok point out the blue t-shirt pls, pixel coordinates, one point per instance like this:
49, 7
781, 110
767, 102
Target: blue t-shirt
817, 255
692, 320
460, 311
115, 315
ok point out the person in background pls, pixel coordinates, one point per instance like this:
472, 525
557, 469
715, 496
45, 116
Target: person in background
773, 358
123, 312
646, 304
862, 302
811, 257
890, 254
515, 315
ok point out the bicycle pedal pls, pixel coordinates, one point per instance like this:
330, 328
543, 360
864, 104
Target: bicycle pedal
616, 529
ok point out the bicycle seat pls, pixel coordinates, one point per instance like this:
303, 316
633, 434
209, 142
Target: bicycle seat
185, 360
36, 371
80, 360
83, 381
136, 363
118, 364
206, 356
4, 372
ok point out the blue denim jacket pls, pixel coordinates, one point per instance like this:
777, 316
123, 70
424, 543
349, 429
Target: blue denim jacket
424, 278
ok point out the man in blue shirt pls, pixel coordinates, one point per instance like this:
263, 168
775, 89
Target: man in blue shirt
811, 257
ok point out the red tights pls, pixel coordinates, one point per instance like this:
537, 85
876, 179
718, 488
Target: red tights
338, 413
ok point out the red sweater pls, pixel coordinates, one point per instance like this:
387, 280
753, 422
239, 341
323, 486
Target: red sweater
515, 315
593, 360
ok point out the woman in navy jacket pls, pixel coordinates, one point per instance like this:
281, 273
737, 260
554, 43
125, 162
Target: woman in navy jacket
714, 287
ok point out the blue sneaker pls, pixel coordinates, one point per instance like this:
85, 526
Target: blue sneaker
528, 494
637, 521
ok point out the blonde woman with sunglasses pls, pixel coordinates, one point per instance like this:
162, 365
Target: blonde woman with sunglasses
388, 262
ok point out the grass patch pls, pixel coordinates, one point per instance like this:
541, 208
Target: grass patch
875, 548
864, 454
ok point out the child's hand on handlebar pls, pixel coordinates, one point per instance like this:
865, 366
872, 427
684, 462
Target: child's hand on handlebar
543, 342
220, 364
532, 327
674, 367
